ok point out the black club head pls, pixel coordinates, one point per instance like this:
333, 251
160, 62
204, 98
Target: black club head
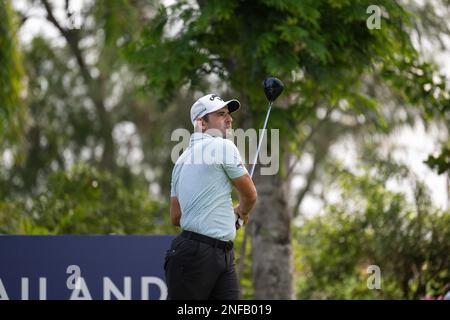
273, 87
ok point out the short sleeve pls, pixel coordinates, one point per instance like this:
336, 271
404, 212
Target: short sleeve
232, 162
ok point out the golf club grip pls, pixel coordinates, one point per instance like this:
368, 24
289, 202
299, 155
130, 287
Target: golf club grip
239, 220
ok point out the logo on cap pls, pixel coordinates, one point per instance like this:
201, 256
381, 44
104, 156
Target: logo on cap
201, 111
214, 97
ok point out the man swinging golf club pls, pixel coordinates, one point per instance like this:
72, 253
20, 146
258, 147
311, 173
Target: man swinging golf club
200, 262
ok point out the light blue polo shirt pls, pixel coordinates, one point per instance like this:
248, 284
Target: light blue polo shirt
201, 182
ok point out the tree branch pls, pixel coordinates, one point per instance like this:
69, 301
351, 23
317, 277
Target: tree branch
309, 180
95, 89
72, 38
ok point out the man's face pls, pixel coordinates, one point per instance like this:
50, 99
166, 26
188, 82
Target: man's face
219, 120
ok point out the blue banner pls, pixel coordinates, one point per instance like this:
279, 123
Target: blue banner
76, 267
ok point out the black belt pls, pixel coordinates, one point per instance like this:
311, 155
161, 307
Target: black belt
225, 245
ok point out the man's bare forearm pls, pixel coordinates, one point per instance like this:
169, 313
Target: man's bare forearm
247, 195
246, 204
175, 211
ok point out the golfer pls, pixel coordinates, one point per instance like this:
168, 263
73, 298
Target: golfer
200, 262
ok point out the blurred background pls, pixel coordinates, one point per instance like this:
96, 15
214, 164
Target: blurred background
91, 91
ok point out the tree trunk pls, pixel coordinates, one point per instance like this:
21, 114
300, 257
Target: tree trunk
271, 240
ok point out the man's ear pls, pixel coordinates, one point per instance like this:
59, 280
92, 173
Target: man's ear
202, 124
199, 125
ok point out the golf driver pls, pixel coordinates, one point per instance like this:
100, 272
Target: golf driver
273, 87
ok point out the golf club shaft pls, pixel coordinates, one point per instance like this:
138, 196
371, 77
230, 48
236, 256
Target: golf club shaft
240, 221
255, 160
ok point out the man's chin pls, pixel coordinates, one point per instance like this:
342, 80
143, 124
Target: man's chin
228, 133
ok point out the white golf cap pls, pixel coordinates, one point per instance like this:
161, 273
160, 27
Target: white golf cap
211, 103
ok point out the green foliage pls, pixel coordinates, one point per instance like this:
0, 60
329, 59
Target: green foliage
61, 119
74, 103
440, 162
327, 58
322, 50
119, 20
247, 290
85, 200
239, 38
12, 113
67, 95
373, 226
429, 88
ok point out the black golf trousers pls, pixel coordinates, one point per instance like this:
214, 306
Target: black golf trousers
200, 268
